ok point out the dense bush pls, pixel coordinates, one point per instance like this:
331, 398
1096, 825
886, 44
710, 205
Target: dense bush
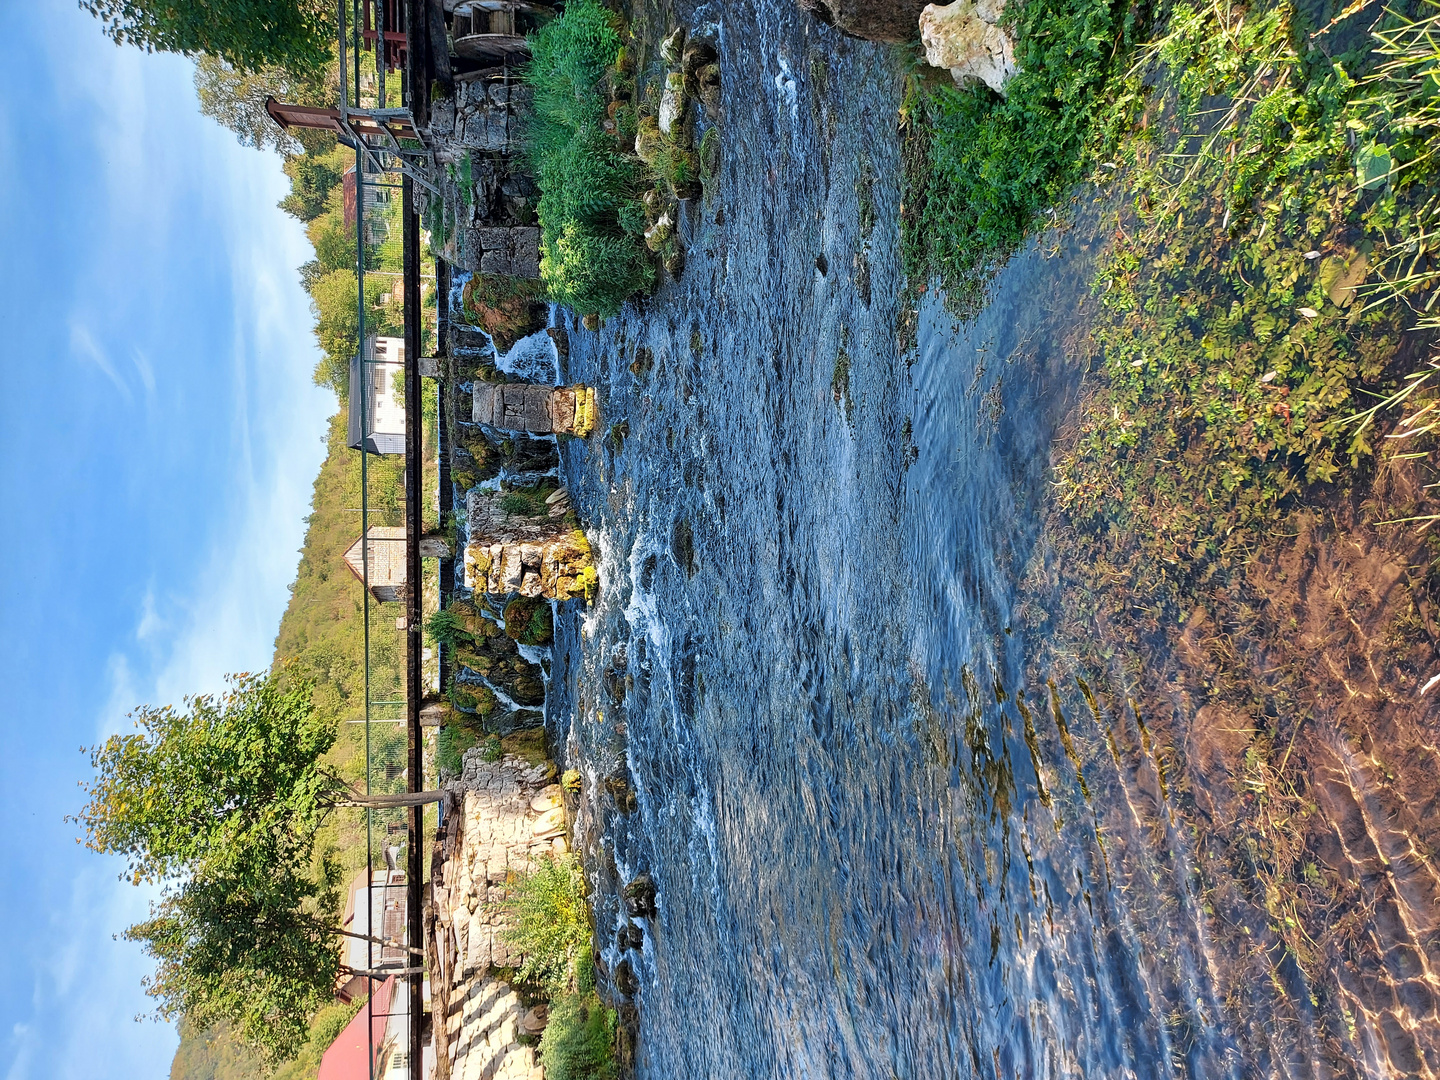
579, 1040
447, 627
551, 924
588, 261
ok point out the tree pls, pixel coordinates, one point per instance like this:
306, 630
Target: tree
236, 98
312, 178
249, 35
220, 803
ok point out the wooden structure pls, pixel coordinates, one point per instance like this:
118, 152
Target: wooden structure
391, 15
493, 31
372, 123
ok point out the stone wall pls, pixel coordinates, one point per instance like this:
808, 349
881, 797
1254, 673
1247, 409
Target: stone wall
505, 815
528, 555
539, 410
474, 136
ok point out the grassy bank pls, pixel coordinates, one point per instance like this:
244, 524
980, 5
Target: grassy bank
1230, 640
551, 928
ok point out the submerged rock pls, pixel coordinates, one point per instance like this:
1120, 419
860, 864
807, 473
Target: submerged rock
895, 20
639, 897
966, 38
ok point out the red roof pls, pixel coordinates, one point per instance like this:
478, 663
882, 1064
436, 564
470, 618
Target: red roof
347, 1058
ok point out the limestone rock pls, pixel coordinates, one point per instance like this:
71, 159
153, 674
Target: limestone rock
551, 823
534, 1020
673, 47
965, 38
520, 553
672, 105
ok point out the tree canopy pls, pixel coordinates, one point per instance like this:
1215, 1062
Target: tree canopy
249, 35
236, 98
220, 802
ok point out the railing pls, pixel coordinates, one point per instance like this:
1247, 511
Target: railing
383, 135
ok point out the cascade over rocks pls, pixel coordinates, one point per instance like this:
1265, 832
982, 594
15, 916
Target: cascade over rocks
966, 38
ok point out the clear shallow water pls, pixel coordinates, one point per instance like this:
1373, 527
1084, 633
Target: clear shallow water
803, 659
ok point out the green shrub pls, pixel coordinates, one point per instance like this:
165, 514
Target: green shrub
579, 1040
588, 261
588, 270
551, 924
529, 621
447, 628
490, 749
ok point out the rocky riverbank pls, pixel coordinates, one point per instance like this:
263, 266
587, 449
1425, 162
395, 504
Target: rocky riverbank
502, 816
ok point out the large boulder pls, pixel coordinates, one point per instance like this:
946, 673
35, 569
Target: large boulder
966, 38
883, 20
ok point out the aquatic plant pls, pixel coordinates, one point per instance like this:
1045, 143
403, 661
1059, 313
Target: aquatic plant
1240, 371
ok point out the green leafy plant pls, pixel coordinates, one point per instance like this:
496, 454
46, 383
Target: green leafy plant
447, 627
221, 804
248, 34
524, 502
490, 749
579, 1039
981, 167
551, 924
588, 261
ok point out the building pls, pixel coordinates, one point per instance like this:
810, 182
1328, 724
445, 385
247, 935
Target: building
379, 200
386, 555
385, 912
376, 405
360, 1044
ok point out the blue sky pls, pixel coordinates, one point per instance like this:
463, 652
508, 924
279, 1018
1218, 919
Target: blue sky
161, 434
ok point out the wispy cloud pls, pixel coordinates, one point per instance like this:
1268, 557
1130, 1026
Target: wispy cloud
84, 346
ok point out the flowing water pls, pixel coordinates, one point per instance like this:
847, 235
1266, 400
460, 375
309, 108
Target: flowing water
804, 659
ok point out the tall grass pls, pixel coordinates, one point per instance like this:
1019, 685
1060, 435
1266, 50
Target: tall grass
588, 262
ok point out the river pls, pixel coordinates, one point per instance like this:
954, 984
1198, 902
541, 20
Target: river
804, 658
